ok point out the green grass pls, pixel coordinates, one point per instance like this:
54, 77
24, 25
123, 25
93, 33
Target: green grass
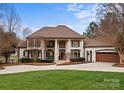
62, 79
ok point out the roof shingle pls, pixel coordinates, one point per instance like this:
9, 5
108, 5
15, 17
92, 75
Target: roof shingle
60, 31
91, 42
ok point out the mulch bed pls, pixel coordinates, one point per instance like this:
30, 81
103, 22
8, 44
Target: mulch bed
73, 63
1, 67
118, 65
30, 63
39, 63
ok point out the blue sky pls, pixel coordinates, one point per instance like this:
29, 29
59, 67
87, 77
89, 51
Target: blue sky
76, 16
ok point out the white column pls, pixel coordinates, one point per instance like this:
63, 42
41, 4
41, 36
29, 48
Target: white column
82, 48
34, 43
27, 43
68, 49
43, 48
56, 51
94, 56
42, 53
29, 54
68, 46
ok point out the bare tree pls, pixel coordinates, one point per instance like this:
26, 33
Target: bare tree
10, 18
26, 31
11, 23
111, 27
8, 42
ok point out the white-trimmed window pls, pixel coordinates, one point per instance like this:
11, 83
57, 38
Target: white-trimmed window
75, 53
75, 43
50, 44
37, 43
31, 43
61, 44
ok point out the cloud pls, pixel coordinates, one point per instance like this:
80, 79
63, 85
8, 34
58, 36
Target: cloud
74, 7
85, 13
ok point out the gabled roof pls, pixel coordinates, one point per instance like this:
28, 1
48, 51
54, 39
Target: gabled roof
91, 42
60, 31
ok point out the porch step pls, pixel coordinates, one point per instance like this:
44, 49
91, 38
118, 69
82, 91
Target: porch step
61, 62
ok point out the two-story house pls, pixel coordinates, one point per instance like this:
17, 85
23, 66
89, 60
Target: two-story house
62, 43
58, 43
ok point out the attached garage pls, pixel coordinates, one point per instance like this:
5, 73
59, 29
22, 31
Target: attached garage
107, 57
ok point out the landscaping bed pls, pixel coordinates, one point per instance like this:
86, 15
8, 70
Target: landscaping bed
28, 63
39, 63
27, 60
73, 63
118, 65
1, 67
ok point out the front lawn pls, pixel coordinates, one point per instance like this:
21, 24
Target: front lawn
62, 79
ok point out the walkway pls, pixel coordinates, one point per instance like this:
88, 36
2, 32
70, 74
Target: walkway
98, 66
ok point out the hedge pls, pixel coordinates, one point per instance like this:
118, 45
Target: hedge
80, 59
25, 60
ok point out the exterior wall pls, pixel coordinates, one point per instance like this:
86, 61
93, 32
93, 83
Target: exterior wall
68, 48
21, 50
109, 49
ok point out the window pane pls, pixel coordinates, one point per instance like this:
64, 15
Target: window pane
75, 53
75, 43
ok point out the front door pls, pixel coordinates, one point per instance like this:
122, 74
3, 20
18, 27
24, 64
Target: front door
62, 55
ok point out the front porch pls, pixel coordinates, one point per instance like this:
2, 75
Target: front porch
53, 49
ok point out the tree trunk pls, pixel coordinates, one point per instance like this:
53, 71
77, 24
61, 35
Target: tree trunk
121, 58
6, 58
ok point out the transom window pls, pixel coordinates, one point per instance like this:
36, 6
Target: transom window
75, 43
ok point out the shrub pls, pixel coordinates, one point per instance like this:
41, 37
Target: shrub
25, 59
80, 59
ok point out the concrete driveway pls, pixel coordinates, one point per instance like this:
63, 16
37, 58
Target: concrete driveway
98, 66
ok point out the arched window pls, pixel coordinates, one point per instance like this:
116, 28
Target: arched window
50, 54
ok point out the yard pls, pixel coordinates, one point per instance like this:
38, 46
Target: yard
62, 79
